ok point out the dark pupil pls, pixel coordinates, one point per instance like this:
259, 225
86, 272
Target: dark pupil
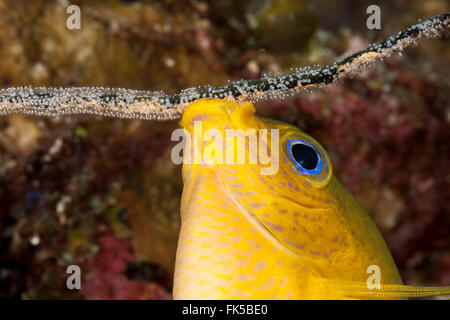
305, 156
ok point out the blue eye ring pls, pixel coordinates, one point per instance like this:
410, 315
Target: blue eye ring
299, 168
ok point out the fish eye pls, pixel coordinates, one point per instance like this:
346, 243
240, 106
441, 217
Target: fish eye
304, 156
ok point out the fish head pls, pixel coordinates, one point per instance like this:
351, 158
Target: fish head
277, 159
286, 191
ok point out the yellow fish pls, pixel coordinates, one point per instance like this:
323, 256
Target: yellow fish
290, 233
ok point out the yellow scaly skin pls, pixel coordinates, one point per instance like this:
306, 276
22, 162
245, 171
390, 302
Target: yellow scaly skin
284, 236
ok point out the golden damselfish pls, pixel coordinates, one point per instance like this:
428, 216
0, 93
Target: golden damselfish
284, 235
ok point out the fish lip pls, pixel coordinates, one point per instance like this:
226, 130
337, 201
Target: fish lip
306, 206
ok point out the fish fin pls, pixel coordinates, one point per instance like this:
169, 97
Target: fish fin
360, 290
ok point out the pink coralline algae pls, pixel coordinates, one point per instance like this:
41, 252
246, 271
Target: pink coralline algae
107, 279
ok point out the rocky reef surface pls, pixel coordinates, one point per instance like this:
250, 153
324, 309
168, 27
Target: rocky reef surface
103, 193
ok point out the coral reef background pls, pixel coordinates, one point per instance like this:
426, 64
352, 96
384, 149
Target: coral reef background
103, 193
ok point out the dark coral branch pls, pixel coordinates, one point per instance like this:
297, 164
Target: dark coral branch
137, 104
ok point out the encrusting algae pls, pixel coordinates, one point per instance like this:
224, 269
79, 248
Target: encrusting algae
59, 184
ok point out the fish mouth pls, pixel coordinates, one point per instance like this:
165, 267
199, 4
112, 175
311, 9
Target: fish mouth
219, 114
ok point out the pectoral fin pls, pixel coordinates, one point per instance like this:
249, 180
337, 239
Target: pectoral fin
360, 290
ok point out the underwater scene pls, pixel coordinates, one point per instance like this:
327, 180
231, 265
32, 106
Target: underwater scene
122, 176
